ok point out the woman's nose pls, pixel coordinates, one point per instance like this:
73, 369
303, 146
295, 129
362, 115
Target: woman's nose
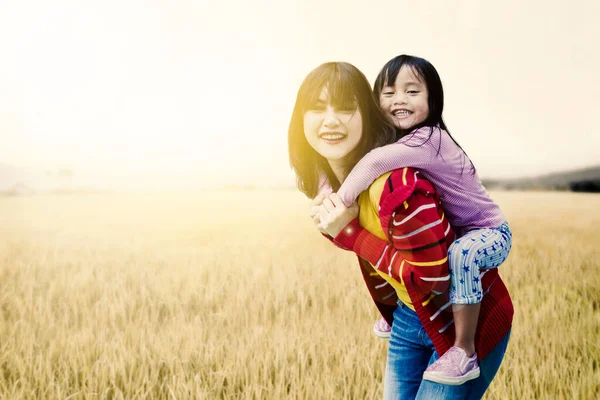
331, 119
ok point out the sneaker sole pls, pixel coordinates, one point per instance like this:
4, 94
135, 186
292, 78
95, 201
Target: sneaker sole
383, 335
450, 380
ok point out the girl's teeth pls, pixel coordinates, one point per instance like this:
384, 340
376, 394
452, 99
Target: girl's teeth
402, 112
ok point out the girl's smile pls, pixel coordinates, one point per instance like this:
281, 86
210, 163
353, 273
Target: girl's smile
401, 113
406, 101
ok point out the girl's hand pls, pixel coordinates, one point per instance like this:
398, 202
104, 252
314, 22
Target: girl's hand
313, 210
333, 215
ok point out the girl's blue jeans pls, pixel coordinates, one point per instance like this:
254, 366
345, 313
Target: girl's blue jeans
411, 351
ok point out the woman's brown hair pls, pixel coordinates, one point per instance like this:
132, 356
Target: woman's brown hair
346, 85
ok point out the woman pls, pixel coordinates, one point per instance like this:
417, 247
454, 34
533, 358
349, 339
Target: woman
397, 229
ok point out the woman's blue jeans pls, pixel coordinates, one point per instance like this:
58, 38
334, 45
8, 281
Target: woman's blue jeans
411, 351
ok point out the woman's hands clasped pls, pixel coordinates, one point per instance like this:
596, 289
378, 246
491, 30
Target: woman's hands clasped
330, 214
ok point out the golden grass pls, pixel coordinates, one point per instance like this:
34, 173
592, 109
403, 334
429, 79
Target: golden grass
235, 295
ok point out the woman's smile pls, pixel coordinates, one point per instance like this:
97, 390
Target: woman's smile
330, 131
332, 137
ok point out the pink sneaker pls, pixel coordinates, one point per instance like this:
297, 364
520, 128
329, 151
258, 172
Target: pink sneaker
453, 368
382, 329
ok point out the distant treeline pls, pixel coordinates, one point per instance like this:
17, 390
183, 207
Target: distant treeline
583, 180
591, 186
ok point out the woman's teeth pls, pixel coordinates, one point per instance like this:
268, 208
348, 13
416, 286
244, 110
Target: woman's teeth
332, 137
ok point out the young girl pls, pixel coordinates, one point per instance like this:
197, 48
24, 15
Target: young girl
410, 94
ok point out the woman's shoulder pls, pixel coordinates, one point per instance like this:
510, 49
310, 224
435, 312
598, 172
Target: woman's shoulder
376, 189
399, 183
395, 187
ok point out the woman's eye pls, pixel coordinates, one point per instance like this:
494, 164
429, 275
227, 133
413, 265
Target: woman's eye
346, 107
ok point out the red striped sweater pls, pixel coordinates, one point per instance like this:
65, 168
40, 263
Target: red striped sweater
415, 253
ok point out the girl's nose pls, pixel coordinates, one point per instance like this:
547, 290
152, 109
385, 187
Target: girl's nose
399, 98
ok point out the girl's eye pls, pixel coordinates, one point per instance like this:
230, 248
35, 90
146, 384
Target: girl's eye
413, 91
388, 93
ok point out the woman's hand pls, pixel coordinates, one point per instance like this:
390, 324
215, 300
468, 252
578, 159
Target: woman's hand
313, 210
333, 215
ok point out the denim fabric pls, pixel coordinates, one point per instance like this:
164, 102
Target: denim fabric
479, 248
411, 351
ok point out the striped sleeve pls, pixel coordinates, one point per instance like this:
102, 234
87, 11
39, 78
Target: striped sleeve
417, 231
384, 296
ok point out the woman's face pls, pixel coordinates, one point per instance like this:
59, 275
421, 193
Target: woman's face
332, 132
404, 102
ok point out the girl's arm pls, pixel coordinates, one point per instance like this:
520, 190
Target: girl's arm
415, 150
416, 229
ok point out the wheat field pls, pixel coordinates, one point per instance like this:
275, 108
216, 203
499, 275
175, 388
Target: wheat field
234, 295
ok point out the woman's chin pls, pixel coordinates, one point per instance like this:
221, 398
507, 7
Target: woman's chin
334, 156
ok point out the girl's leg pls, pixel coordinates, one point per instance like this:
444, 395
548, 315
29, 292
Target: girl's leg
477, 249
465, 326
471, 390
408, 355
481, 248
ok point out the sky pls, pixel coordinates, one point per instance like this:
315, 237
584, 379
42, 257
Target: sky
202, 91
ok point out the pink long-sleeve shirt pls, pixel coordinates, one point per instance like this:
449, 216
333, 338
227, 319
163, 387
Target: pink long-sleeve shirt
464, 199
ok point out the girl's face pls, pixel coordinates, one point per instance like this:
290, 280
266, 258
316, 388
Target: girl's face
405, 102
332, 132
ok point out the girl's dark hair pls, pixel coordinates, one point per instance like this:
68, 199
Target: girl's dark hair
428, 75
347, 87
